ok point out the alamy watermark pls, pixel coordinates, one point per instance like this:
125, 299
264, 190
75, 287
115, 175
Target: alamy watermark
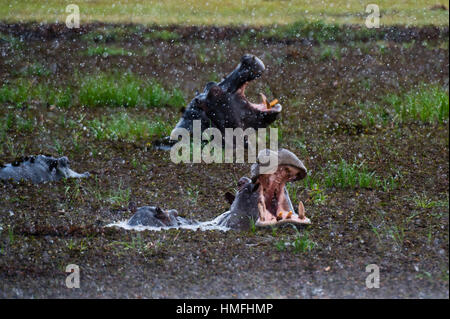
207, 146
73, 280
373, 279
73, 19
373, 19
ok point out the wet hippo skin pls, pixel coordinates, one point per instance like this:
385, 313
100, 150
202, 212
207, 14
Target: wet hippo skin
38, 169
224, 105
261, 199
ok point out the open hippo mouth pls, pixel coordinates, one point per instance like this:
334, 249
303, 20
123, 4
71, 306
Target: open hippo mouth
224, 105
274, 204
264, 198
250, 68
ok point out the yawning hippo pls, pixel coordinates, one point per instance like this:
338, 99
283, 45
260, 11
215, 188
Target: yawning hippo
38, 169
262, 198
224, 105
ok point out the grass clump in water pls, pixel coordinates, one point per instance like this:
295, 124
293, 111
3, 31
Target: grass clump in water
126, 90
319, 31
125, 128
22, 92
345, 175
427, 104
105, 51
302, 243
164, 35
35, 69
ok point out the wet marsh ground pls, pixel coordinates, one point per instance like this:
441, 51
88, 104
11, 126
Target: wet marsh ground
367, 114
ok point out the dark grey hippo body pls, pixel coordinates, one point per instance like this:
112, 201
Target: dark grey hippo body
38, 169
262, 199
224, 105
156, 217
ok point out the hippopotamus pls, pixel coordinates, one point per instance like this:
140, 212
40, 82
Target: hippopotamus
262, 198
156, 217
224, 104
38, 169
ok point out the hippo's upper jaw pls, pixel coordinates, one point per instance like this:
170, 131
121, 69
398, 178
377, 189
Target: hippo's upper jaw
224, 105
274, 204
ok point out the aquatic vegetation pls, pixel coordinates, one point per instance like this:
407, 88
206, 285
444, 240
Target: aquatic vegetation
126, 128
105, 51
126, 90
302, 243
164, 35
427, 104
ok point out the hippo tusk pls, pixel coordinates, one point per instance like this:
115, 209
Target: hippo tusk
264, 100
301, 210
272, 104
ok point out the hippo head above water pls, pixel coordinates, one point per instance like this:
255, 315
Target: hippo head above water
38, 169
263, 198
224, 105
156, 217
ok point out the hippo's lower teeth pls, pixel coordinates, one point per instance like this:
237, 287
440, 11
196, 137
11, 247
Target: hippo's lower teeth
280, 216
275, 205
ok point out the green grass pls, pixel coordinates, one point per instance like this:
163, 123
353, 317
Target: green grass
225, 12
125, 128
22, 92
164, 35
108, 34
329, 52
15, 123
105, 51
422, 201
94, 91
35, 69
345, 175
119, 197
302, 243
13, 42
126, 90
427, 104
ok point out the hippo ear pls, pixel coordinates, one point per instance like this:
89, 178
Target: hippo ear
229, 197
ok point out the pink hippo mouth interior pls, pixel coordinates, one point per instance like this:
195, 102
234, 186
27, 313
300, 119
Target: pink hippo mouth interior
264, 105
274, 206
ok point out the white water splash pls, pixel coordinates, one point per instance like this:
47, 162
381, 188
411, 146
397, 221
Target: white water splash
208, 225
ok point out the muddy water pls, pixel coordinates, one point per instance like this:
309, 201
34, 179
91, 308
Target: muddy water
404, 230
